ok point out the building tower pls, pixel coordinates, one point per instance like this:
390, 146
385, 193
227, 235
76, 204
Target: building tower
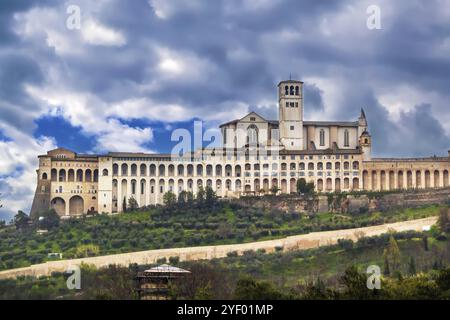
290, 99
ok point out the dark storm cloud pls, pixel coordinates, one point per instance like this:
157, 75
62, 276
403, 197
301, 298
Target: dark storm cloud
246, 48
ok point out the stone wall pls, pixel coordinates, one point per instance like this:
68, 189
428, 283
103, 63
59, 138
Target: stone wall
300, 242
349, 203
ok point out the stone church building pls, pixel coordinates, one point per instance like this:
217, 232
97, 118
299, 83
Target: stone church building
256, 155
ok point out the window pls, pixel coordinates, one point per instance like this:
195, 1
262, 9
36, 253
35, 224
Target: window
286, 90
296, 91
287, 104
292, 105
252, 118
292, 128
296, 104
105, 172
252, 135
322, 137
291, 90
346, 138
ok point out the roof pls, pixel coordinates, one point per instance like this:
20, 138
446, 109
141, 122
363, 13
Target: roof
292, 81
165, 268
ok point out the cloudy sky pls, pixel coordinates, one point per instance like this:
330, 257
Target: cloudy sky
135, 70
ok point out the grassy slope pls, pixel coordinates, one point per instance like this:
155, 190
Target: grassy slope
152, 230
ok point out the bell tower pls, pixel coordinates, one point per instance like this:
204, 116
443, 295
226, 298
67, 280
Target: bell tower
290, 105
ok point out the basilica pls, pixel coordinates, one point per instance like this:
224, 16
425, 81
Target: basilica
257, 156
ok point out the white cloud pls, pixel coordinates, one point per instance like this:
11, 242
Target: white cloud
96, 34
18, 163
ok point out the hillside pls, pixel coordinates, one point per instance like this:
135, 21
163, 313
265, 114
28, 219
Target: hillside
192, 224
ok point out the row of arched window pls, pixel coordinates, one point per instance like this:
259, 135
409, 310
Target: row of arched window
72, 175
200, 170
292, 90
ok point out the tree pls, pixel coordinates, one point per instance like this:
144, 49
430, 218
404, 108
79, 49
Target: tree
200, 196
425, 242
250, 289
392, 254
412, 266
182, 199
48, 219
274, 190
303, 187
132, 204
21, 220
210, 197
443, 221
2, 223
169, 199
124, 204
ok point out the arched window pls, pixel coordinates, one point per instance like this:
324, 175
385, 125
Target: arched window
296, 91
286, 90
346, 138
44, 176
291, 90
322, 137
105, 172
252, 135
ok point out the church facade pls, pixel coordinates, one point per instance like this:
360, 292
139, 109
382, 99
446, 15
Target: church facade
257, 156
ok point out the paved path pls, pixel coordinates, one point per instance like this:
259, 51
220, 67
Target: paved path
300, 242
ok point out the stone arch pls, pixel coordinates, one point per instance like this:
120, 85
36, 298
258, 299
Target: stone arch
391, 180
143, 170
427, 179
79, 175
418, 179
266, 185
329, 186
365, 177
62, 175
238, 185
228, 184
199, 170
237, 170
152, 170
337, 185
171, 170
171, 185
209, 183
115, 169
383, 180
437, 181
161, 170
76, 205
320, 166
190, 170
133, 169
400, 184
133, 187
374, 180
320, 185
161, 185
105, 172
274, 182
71, 175
311, 166
180, 170
293, 185
88, 175
409, 179
256, 185
446, 182
283, 186
190, 185
180, 185
355, 184
209, 170
355, 165
59, 205
228, 170
346, 183
44, 176
124, 169
218, 170
54, 175
96, 175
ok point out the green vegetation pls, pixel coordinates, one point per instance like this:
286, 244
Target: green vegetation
182, 222
334, 272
